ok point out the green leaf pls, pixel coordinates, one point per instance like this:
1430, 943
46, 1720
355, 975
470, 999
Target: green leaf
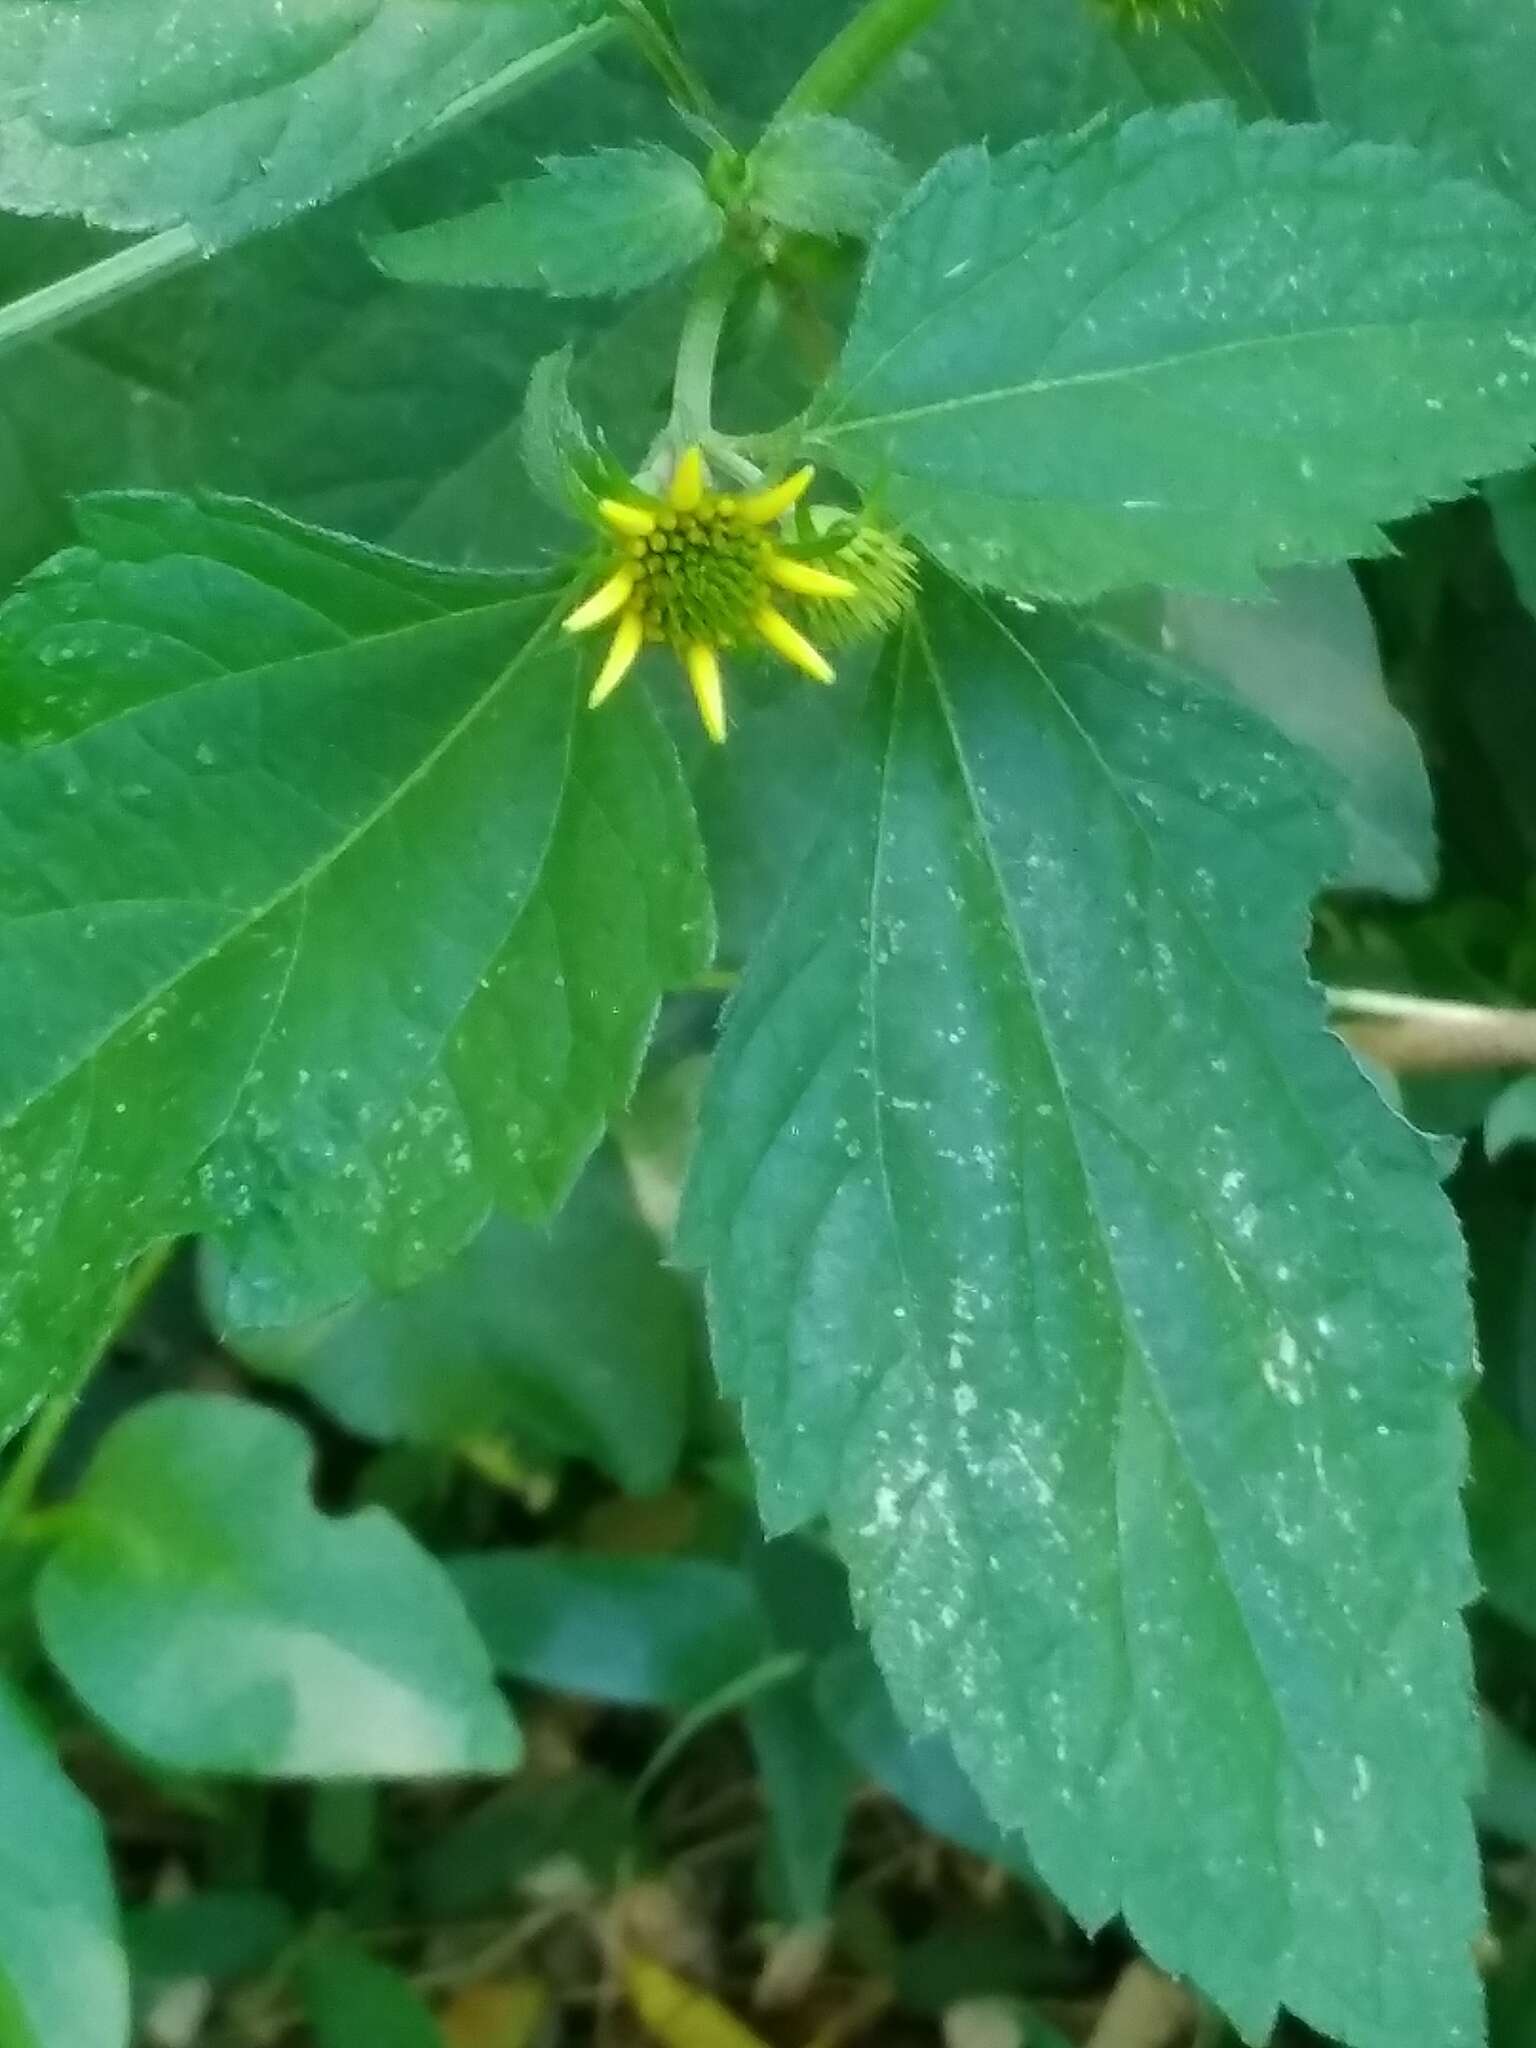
643, 1631
1501, 1509
1307, 658
920, 1772
350, 2000
824, 176
216, 1934
1083, 1282
209, 1615
1511, 1120
63, 1976
1450, 75
150, 113
806, 1781
1181, 351
498, 1848
1512, 501
512, 1338
563, 464
376, 919
587, 227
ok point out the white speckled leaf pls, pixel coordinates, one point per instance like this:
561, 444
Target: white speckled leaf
349, 924
149, 113
1182, 351
1454, 76
1062, 1259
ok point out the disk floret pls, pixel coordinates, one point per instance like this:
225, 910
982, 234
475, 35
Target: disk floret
699, 571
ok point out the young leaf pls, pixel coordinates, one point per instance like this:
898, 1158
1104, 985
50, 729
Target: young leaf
63, 1975
563, 464
1082, 1281
356, 928
587, 227
151, 113
1451, 75
210, 1616
1180, 351
512, 1338
824, 176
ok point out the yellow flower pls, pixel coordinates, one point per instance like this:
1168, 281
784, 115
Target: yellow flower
698, 572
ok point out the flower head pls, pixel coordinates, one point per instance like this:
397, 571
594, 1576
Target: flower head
699, 572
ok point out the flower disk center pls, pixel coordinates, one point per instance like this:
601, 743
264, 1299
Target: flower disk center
701, 577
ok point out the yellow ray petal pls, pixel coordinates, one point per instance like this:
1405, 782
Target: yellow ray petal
602, 604
805, 579
630, 519
784, 639
766, 506
622, 650
704, 674
687, 486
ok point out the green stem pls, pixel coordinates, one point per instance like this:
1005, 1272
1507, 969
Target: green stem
31, 1461
100, 285
96, 287
661, 51
857, 53
698, 348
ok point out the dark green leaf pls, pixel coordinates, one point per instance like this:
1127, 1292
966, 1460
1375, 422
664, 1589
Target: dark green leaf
587, 227
63, 1975
354, 2002
501, 1845
215, 1621
1181, 351
644, 1631
824, 176
1501, 1508
215, 1935
806, 1782
1064, 1262
513, 1338
150, 113
348, 925
1450, 75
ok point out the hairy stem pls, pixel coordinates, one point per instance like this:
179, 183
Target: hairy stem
698, 348
100, 285
96, 287
858, 53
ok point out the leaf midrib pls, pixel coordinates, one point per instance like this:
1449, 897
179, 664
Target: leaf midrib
1134, 1347
299, 885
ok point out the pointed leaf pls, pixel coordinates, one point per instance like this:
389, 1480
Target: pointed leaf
824, 176
355, 928
1180, 351
153, 113
588, 226
1063, 1261
206, 1612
